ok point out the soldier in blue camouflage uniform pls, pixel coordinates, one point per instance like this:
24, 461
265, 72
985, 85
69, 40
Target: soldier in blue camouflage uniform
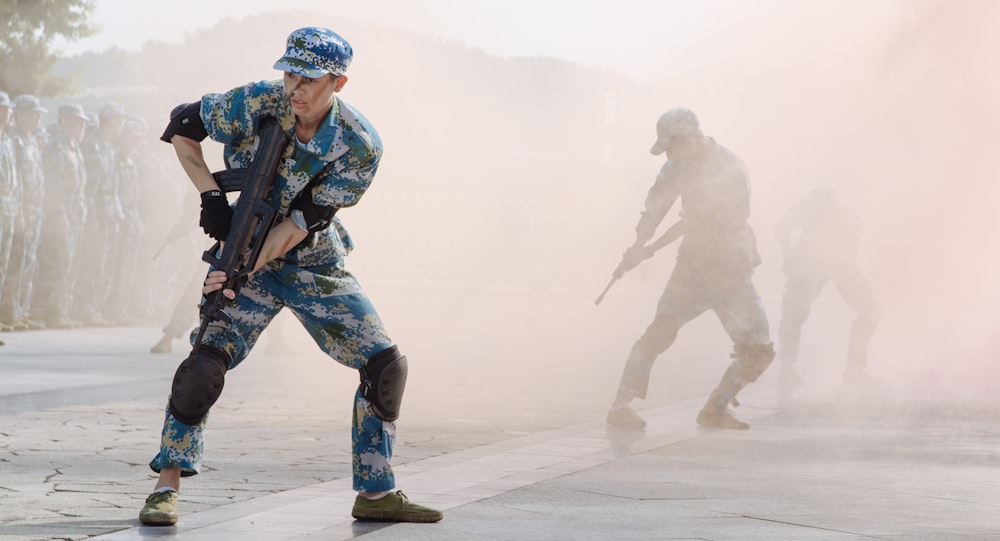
65, 216
23, 266
8, 191
715, 263
825, 250
328, 164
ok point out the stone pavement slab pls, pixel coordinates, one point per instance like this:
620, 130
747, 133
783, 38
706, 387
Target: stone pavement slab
502, 457
822, 472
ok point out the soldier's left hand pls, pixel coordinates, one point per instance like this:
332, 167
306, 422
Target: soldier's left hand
214, 282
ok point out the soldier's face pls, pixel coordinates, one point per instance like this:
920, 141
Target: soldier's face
28, 120
4, 117
312, 98
680, 147
113, 124
73, 128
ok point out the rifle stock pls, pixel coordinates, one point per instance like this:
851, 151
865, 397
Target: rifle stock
253, 218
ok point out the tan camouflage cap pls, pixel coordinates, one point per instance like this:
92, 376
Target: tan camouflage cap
72, 110
28, 102
675, 122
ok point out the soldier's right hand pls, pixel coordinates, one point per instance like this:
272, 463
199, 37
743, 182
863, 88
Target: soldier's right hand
637, 254
631, 259
216, 214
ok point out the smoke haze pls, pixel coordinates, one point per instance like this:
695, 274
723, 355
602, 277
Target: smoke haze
511, 186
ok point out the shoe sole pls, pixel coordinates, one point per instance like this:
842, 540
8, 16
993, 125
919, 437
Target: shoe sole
392, 517
710, 424
620, 426
724, 427
158, 520
625, 424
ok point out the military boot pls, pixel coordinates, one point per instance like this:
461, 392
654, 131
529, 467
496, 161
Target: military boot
625, 417
788, 378
856, 376
726, 418
163, 346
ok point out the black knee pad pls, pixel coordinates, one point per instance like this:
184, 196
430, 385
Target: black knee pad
659, 335
198, 384
752, 359
383, 380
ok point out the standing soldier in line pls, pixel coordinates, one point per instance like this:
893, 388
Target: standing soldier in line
826, 250
65, 216
715, 263
104, 214
125, 253
23, 266
155, 209
8, 191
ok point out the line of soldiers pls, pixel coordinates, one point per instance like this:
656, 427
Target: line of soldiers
72, 191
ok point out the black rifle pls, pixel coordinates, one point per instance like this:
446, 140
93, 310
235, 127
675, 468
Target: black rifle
253, 218
670, 235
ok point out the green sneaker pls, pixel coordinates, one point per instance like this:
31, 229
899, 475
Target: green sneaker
394, 507
160, 509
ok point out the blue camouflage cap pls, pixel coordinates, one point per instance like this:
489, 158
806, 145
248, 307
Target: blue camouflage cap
4, 99
313, 52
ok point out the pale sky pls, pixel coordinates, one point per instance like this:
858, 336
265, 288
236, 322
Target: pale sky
645, 39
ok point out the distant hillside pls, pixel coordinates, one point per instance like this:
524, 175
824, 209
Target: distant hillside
436, 103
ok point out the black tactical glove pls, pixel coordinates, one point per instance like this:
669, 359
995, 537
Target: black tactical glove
216, 214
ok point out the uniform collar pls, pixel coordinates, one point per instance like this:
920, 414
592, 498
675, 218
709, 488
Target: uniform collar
328, 138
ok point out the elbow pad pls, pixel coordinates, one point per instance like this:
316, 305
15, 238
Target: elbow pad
185, 120
313, 217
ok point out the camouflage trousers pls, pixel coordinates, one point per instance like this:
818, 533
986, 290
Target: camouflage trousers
6, 244
59, 269
802, 290
96, 277
22, 268
690, 292
335, 311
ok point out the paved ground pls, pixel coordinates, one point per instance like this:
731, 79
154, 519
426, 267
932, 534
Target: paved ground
511, 448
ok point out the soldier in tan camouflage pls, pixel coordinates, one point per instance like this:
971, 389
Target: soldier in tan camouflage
715, 264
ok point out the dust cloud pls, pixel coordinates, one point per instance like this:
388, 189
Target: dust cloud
511, 186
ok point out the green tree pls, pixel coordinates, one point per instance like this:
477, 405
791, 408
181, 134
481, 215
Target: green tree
29, 30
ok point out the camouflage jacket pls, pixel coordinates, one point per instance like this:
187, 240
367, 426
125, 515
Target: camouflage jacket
829, 234
343, 155
102, 178
714, 190
65, 179
9, 187
129, 191
28, 158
